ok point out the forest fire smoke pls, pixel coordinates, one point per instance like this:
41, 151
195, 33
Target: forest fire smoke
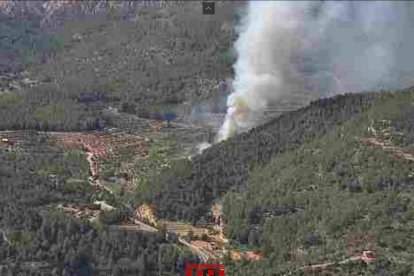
316, 48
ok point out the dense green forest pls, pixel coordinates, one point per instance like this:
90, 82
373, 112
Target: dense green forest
305, 180
226, 165
328, 180
334, 196
317, 188
85, 65
81, 67
37, 239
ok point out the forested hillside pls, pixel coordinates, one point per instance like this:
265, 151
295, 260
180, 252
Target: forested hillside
339, 194
226, 165
314, 186
127, 56
72, 68
86, 88
37, 239
327, 181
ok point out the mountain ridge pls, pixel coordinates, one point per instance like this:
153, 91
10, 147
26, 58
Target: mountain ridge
258, 139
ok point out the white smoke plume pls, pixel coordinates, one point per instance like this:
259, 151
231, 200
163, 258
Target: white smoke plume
202, 146
317, 47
